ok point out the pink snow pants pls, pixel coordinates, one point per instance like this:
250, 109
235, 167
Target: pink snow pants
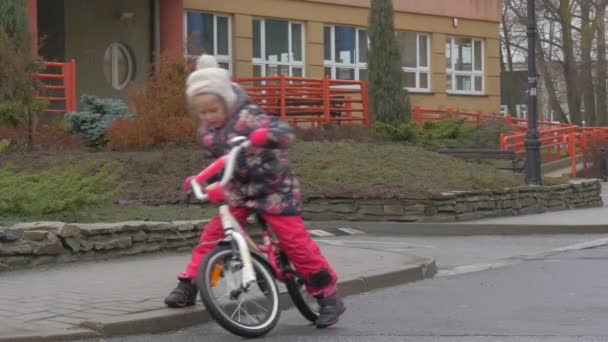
293, 238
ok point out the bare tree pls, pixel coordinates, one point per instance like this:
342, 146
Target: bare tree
602, 105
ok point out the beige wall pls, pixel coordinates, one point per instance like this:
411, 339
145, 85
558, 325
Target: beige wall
315, 13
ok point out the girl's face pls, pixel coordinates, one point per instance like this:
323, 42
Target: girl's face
211, 110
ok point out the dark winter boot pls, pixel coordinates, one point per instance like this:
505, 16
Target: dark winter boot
330, 310
183, 295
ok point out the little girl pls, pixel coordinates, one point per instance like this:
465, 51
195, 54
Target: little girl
263, 182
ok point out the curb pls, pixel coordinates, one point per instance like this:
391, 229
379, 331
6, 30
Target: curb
163, 320
464, 229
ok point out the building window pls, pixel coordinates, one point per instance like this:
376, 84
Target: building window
465, 69
345, 53
278, 48
415, 60
208, 33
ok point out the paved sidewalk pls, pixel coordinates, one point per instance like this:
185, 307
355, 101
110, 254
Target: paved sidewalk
57, 300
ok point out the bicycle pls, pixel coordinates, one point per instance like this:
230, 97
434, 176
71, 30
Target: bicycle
241, 263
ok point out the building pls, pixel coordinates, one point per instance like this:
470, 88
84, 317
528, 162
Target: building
450, 49
546, 111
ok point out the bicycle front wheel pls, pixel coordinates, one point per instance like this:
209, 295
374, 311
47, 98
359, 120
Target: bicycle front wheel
246, 312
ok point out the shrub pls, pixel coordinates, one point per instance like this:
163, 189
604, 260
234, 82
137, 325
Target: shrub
335, 133
17, 86
162, 115
25, 193
4, 143
437, 134
404, 132
48, 137
97, 116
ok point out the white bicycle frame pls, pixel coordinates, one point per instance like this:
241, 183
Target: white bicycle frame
232, 229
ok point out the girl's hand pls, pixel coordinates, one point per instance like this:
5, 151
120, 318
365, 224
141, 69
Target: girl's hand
215, 193
259, 137
187, 187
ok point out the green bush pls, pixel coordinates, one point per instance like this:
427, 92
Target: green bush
25, 193
97, 116
4, 143
432, 134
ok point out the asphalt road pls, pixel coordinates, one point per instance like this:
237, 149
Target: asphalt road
558, 298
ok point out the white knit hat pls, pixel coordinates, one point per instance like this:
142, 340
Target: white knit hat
209, 78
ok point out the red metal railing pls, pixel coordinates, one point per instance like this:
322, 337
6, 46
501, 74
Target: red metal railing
420, 114
557, 139
58, 86
310, 100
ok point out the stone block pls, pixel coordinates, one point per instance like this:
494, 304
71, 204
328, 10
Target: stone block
371, 210
69, 231
114, 243
49, 226
73, 244
315, 208
342, 208
8, 234
50, 246
20, 247
393, 209
34, 235
139, 236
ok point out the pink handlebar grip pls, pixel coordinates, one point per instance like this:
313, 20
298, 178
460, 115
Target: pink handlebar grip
211, 171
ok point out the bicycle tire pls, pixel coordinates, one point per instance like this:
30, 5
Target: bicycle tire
294, 287
216, 312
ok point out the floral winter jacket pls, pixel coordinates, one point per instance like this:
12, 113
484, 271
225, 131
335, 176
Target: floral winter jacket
263, 178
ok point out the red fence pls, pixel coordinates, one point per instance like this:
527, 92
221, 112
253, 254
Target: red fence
427, 114
310, 100
58, 86
558, 140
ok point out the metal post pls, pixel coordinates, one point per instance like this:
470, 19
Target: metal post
533, 175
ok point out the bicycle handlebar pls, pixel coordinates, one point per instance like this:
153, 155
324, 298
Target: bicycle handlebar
227, 162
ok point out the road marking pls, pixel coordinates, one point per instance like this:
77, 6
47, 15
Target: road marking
351, 231
330, 232
320, 233
489, 266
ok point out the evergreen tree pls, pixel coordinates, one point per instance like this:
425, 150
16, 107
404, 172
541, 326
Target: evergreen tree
17, 86
389, 101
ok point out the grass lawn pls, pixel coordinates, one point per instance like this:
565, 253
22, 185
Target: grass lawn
337, 168
118, 213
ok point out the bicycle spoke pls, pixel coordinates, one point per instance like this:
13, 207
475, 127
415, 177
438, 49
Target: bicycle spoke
251, 317
238, 307
259, 306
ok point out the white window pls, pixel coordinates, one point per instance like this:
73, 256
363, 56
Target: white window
465, 67
415, 60
278, 48
208, 33
345, 53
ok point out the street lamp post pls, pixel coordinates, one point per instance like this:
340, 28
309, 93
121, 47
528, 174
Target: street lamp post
533, 176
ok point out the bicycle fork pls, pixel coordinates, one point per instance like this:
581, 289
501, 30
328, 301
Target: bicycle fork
233, 231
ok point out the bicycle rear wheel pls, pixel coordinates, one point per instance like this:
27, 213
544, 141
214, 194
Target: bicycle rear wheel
248, 313
306, 304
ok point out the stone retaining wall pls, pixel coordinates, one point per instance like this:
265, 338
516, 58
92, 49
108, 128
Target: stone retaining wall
457, 206
31, 244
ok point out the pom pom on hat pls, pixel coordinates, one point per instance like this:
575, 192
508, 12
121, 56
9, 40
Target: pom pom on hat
209, 78
206, 61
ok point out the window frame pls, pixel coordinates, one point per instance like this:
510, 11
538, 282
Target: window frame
420, 69
222, 59
357, 66
472, 74
262, 62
